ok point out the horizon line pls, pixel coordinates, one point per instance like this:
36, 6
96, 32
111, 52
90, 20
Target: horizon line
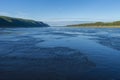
65, 19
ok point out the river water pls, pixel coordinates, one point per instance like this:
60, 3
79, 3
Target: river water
59, 53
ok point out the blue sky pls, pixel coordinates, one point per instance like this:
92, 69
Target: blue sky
62, 10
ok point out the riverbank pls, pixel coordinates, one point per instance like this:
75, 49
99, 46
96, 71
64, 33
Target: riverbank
95, 26
115, 24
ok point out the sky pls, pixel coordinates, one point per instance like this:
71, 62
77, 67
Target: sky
62, 10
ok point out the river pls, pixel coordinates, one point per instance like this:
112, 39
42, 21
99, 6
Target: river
59, 53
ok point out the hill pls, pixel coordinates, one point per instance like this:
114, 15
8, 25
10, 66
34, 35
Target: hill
99, 24
19, 22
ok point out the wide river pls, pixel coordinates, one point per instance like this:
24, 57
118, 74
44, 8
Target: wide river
59, 53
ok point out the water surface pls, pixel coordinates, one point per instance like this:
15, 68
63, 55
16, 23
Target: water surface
59, 53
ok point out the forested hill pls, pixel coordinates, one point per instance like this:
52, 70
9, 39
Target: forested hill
19, 22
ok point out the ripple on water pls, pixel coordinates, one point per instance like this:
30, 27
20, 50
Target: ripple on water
56, 63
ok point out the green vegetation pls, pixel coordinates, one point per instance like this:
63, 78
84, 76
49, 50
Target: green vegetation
18, 22
99, 24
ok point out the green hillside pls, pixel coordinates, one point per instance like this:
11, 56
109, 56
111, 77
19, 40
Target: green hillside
19, 22
99, 24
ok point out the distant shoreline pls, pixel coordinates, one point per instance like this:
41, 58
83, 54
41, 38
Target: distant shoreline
115, 24
95, 26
